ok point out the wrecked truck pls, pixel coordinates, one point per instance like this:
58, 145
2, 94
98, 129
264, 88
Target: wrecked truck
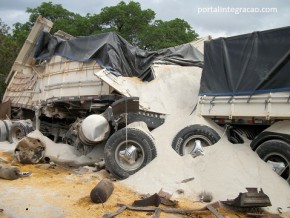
53, 88
245, 88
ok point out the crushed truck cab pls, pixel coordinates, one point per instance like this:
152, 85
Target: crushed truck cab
62, 86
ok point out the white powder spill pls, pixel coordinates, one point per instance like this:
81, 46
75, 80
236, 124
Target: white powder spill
66, 154
282, 127
167, 93
225, 170
7, 147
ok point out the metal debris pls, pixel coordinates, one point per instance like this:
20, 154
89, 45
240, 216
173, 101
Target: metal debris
153, 200
157, 210
252, 198
164, 194
214, 211
187, 180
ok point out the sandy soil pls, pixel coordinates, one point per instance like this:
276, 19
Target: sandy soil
64, 192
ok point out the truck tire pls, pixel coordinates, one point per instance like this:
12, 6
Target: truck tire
3, 131
276, 151
118, 160
5, 126
183, 142
17, 132
8, 124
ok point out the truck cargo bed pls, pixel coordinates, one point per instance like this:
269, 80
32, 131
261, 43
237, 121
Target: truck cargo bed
264, 106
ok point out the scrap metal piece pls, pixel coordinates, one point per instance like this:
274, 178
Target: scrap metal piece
119, 211
157, 213
214, 211
164, 194
126, 105
153, 200
168, 202
187, 180
252, 198
165, 199
29, 150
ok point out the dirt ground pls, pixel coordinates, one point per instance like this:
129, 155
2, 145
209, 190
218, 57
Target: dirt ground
64, 192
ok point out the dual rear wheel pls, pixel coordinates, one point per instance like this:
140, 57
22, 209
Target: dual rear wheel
276, 153
127, 151
189, 139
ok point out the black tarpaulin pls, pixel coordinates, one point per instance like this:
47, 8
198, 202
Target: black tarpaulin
113, 52
247, 64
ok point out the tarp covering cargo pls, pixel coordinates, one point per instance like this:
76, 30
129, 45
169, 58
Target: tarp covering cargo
247, 64
113, 52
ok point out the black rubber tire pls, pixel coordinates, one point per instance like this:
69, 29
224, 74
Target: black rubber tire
152, 145
3, 131
276, 150
204, 133
17, 132
8, 124
113, 146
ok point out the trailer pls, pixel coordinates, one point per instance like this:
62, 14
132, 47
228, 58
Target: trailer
245, 88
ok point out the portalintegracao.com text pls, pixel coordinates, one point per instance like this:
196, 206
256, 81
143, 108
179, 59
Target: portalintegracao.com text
235, 10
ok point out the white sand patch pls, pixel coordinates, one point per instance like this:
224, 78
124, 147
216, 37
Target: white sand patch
62, 153
166, 94
7, 147
225, 170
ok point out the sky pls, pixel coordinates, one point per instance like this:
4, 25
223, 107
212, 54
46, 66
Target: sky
218, 18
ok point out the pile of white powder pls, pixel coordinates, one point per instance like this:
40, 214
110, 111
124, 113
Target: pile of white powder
225, 170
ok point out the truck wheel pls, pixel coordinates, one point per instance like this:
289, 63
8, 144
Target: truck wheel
185, 140
124, 158
276, 153
3, 131
17, 132
8, 124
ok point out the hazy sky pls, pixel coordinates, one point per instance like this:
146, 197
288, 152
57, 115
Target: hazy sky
207, 17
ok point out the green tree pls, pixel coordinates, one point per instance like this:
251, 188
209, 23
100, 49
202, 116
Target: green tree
21, 31
128, 20
164, 34
8, 52
62, 18
140, 29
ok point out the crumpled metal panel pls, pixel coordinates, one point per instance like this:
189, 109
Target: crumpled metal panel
21, 90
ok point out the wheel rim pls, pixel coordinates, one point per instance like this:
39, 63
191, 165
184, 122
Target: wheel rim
17, 134
275, 159
129, 156
190, 143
